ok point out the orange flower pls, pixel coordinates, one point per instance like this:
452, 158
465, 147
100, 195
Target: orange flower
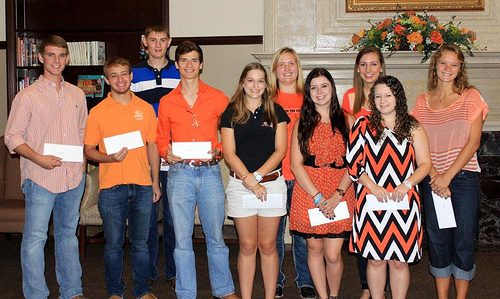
361, 33
439, 26
472, 36
355, 39
464, 30
384, 24
415, 19
399, 29
410, 12
436, 37
433, 19
397, 43
384, 35
415, 37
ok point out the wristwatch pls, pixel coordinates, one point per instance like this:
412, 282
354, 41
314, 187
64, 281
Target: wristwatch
407, 183
257, 176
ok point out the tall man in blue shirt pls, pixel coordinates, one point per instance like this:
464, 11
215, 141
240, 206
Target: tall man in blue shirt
152, 79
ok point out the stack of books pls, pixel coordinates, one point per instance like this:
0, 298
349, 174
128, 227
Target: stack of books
87, 53
27, 48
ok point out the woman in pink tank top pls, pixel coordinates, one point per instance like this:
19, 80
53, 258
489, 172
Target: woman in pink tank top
452, 112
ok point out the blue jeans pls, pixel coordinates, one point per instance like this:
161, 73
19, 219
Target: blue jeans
451, 250
40, 204
168, 234
187, 188
299, 249
116, 204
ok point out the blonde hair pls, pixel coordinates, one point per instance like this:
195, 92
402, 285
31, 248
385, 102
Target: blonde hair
273, 79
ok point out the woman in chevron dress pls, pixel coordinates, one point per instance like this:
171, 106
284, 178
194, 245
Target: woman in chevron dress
387, 156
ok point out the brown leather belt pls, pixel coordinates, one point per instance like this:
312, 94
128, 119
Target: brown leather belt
268, 178
198, 163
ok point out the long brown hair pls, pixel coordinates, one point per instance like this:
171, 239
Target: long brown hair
310, 118
404, 121
241, 114
273, 79
359, 95
461, 82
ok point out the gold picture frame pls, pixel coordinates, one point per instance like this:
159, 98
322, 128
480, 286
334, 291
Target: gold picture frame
403, 5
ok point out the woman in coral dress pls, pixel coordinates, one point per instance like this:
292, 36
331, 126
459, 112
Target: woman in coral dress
317, 159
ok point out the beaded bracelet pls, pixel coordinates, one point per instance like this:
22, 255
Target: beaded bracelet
318, 198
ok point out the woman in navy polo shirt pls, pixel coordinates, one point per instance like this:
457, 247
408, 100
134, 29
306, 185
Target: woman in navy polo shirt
254, 142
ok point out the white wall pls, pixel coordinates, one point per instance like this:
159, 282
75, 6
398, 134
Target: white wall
2, 20
216, 17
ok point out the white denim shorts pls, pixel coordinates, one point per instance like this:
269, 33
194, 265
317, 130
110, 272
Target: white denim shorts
235, 191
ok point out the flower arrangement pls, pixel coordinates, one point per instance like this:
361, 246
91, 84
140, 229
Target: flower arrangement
409, 31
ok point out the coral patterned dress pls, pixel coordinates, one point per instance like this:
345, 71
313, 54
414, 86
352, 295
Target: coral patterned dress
329, 151
390, 234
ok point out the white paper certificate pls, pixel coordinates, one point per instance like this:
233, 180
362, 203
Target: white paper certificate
444, 211
274, 201
316, 217
68, 153
372, 204
164, 167
129, 140
192, 150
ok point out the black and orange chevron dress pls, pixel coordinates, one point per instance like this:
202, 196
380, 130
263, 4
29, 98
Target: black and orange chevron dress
392, 234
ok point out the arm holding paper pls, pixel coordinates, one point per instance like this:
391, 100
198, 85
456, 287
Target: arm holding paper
440, 182
46, 161
93, 154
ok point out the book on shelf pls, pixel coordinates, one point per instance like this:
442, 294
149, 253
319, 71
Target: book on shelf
87, 53
92, 85
24, 82
27, 50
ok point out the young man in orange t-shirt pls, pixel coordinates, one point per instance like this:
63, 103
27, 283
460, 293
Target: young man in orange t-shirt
128, 179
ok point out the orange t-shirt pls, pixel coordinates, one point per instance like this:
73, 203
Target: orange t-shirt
110, 118
291, 102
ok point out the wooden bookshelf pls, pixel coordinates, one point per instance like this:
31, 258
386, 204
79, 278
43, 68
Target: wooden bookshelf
118, 23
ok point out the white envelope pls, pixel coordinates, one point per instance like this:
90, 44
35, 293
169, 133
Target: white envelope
192, 150
68, 153
372, 204
129, 140
163, 167
274, 201
444, 211
316, 217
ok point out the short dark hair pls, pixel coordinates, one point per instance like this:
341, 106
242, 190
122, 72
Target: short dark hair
116, 61
186, 47
157, 28
55, 41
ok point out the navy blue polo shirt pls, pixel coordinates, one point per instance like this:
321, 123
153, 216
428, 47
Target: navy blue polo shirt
151, 84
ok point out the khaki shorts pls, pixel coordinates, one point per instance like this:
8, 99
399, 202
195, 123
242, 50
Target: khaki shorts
235, 192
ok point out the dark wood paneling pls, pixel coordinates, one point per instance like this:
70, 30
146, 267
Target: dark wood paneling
3, 45
221, 40
88, 15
